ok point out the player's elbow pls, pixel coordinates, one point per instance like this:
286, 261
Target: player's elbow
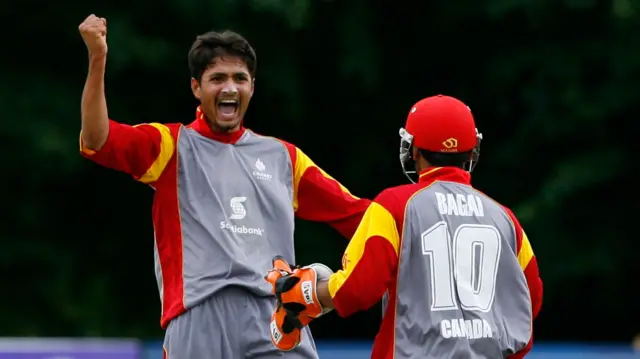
93, 139
349, 301
347, 306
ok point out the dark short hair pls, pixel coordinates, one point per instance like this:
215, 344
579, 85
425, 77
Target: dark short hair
211, 45
439, 159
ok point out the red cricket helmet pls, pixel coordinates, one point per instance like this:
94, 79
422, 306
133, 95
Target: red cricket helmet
440, 124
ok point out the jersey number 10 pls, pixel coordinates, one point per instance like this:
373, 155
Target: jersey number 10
468, 265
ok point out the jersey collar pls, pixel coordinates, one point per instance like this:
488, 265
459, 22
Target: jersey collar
449, 174
201, 126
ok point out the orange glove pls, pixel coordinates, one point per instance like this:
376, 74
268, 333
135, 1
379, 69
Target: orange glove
298, 304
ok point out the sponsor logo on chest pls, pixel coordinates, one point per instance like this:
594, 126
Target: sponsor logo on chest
261, 171
239, 212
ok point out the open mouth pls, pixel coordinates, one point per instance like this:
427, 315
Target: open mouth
227, 108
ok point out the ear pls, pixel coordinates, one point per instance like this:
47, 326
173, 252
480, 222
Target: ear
195, 88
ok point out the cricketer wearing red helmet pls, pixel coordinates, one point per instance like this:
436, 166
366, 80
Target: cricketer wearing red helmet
224, 204
457, 269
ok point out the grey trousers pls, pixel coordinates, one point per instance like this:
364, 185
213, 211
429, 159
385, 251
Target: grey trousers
232, 324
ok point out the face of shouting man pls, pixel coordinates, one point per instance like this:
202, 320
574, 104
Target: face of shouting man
224, 90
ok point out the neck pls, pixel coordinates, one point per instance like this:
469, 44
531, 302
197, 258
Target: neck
422, 165
209, 129
221, 130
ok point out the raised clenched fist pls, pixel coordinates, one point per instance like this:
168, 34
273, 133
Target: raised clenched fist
94, 33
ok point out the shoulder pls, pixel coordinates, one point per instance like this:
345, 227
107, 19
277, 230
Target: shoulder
292, 150
258, 137
506, 210
166, 130
174, 128
395, 199
514, 221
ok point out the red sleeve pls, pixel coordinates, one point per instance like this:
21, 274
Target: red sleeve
141, 151
320, 198
529, 265
370, 260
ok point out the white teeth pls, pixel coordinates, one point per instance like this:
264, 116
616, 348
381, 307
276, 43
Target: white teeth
232, 102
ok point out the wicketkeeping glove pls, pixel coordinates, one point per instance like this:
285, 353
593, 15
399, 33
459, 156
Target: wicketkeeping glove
297, 301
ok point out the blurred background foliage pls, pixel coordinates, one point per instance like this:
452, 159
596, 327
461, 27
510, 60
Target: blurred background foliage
553, 85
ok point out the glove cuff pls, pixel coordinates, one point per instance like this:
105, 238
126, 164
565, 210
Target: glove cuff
323, 273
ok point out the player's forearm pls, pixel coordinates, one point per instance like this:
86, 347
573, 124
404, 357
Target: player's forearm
364, 279
322, 290
95, 119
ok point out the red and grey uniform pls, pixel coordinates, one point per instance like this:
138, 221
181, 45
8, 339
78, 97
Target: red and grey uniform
472, 293
224, 206
456, 268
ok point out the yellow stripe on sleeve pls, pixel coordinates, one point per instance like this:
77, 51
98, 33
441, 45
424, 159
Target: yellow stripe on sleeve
377, 221
167, 146
526, 252
303, 163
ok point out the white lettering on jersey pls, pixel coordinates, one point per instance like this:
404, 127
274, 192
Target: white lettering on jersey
261, 171
470, 329
241, 229
459, 205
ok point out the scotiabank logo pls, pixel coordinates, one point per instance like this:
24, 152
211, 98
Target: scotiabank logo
241, 229
238, 212
237, 209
